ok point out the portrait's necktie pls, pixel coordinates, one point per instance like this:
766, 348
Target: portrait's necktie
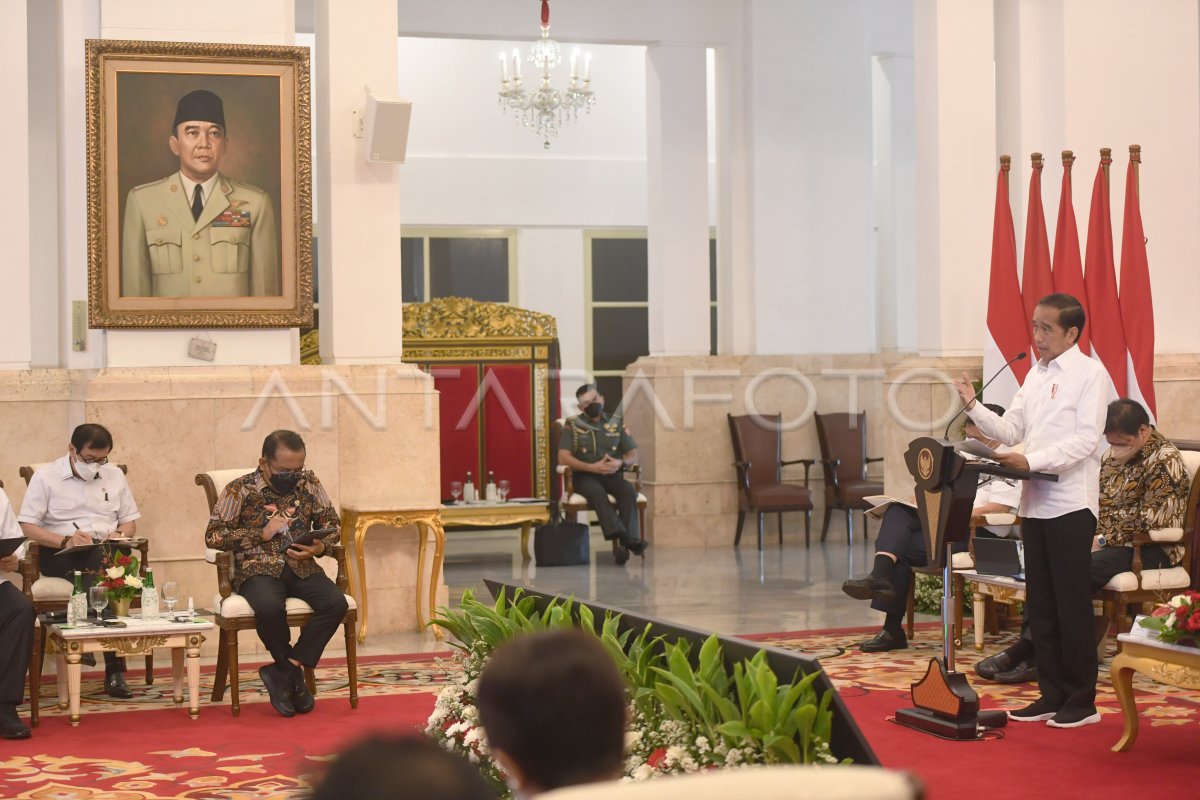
197, 202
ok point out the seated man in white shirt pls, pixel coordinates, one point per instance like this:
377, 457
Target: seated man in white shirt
901, 546
73, 501
16, 631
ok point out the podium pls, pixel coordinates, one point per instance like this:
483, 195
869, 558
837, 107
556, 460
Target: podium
943, 701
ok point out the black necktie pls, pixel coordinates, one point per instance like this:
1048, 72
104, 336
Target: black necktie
197, 202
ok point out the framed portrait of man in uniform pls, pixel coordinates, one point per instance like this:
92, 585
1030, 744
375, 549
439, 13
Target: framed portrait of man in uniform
199, 185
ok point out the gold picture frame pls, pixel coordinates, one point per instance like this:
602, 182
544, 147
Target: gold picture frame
241, 256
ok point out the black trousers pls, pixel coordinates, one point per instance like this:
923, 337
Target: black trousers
267, 596
1058, 593
16, 631
900, 534
91, 563
620, 524
1107, 563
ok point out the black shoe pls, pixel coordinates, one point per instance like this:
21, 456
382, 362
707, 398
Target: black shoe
279, 687
302, 699
1037, 711
115, 685
1021, 673
869, 588
88, 659
884, 640
638, 547
620, 554
11, 726
990, 666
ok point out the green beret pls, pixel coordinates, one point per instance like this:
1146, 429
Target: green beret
200, 105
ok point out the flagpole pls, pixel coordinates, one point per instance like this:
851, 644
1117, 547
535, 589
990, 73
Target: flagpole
1135, 155
1005, 166
1105, 163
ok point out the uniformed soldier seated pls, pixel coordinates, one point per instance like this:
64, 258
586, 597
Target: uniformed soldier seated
71, 502
598, 447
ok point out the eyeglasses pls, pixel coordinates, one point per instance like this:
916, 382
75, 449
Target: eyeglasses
100, 462
286, 472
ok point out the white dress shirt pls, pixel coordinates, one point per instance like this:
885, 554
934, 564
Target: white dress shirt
189, 188
9, 529
61, 502
1059, 415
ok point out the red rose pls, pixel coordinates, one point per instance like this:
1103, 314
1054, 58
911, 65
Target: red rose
118, 583
657, 757
1181, 612
1193, 623
124, 561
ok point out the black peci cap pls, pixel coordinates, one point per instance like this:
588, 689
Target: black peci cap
200, 105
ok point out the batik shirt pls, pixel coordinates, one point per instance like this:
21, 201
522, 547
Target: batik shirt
1147, 493
245, 507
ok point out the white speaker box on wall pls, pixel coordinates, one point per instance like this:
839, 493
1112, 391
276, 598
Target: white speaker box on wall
386, 130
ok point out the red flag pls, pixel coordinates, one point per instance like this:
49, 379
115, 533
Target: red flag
1036, 281
1068, 267
1137, 304
1100, 280
1007, 327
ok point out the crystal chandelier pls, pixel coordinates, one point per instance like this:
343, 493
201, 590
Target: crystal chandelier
545, 109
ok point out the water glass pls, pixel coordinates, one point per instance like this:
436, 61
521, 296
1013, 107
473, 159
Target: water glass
97, 599
170, 596
456, 488
504, 487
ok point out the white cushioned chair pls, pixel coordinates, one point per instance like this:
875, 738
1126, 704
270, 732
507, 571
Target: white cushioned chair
233, 614
1139, 585
573, 504
777, 782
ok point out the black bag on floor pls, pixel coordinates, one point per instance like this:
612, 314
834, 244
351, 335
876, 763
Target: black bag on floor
560, 543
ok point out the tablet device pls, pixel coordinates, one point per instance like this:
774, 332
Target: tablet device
309, 537
9, 546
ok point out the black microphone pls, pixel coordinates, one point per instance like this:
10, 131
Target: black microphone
979, 394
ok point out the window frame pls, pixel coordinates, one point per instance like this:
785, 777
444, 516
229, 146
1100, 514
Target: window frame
427, 232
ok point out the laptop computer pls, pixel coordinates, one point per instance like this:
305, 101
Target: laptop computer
998, 557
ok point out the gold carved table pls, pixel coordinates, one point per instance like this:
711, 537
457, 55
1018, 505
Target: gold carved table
480, 515
1174, 665
139, 637
987, 589
358, 519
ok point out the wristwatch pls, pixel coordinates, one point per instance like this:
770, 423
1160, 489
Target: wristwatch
65, 540
1100, 540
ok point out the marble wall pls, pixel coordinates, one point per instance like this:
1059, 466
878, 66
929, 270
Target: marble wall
371, 434
677, 408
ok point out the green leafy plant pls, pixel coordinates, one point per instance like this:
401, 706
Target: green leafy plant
686, 714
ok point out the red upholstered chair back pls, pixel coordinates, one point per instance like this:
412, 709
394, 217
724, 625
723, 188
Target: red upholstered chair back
844, 437
757, 439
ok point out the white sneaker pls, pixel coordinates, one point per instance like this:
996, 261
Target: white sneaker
1074, 718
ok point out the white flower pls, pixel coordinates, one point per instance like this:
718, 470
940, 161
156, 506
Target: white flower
675, 754
473, 687
702, 744
1169, 621
632, 738
470, 713
1177, 601
114, 572
642, 773
733, 757
133, 581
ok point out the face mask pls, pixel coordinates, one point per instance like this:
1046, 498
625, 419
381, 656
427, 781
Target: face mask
593, 410
285, 484
86, 471
1122, 455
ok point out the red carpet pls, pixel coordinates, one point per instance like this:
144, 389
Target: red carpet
1024, 759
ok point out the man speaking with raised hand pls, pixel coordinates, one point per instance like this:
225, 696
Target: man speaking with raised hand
1058, 414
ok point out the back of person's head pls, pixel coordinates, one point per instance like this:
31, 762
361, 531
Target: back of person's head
995, 408
288, 440
553, 707
410, 767
1125, 416
91, 435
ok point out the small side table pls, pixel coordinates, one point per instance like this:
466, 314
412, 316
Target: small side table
139, 637
1171, 664
987, 589
357, 520
482, 515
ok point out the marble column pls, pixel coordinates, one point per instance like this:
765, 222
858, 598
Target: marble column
16, 345
677, 194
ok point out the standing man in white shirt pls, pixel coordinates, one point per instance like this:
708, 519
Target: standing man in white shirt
1058, 414
16, 631
72, 501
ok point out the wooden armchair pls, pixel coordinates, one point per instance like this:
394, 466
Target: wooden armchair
843, 440
1139, 585
574, 504
233, 614
758, 459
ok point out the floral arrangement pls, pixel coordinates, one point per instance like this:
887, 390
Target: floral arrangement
1178, 620
687, 714
121, 576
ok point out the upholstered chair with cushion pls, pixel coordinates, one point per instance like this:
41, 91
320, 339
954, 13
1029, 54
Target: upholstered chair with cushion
758, 459
233, 614
843, 439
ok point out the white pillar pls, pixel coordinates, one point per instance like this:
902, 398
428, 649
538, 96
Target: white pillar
677, 195
359, 227
956, 165
16, 345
